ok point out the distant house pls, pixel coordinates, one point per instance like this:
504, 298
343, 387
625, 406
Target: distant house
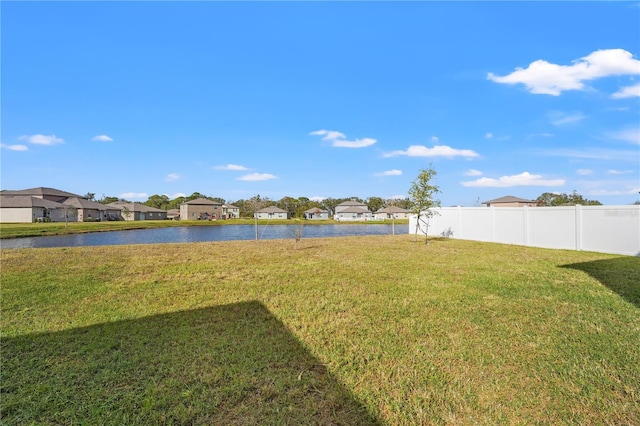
137, 211
230, 211
391, 212
352, 211
509, 201
91, 211
28, 209
272, 212
315, 213
200, 209
50, 204
173, 214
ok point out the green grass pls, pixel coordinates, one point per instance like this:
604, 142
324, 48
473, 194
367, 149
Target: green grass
354, 330
18, 230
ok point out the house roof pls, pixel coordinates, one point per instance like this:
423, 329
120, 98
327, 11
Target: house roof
203, 201
39, 192
354, 209
271, 209
135, 207
315, 210
508, 199
351, 203
83, 203
393, 209
229, 206
22, 201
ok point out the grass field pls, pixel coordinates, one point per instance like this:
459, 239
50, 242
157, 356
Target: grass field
354, 330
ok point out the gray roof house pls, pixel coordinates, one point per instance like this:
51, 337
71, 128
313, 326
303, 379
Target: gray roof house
272, 212
315, 213
200, 209
350, 211
391, 212
137, 211
28, 209
50, 204
509, 201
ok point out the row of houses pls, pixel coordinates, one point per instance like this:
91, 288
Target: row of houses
53, 205
344, 212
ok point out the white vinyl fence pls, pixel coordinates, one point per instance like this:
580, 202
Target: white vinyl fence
604, 229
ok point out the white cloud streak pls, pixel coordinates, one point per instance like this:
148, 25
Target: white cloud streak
584, 172
561, 118
41, 139
256, 177
436, 151
234, 167
619, 172
338, 139
16, 147
394, 172
523, 179
627, 92
631, 135
102, 138
473, 172
542, 77
172, 177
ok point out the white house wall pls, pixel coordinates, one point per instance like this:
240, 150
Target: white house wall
605, 229
16, 215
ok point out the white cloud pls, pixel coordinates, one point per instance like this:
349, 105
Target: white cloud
171, 177
473, 172
231, 167
584, 172
436, 151
394, 172
435, 139
619, 172
489, 135
317, 198
102, 138
338, 140
134, 195
560, 118
629, 190
593, 154
631, 134
253, 177
627, 92
16, 147
523, 179
542, 77
41, 139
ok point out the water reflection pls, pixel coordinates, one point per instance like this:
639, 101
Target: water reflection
186, 234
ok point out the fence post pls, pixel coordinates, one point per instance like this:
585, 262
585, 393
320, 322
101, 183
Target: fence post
578, 227
525, 224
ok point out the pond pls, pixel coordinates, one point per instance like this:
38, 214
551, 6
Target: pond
188, 234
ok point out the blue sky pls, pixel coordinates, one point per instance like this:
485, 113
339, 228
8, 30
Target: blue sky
322, 99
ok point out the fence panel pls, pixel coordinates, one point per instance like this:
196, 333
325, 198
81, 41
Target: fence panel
605, 229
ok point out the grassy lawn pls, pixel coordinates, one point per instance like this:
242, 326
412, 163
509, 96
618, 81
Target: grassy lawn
354, 330
18, 230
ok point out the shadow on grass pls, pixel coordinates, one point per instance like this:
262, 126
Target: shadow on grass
620, 274
233, 365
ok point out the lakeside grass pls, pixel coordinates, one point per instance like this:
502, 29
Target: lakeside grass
349, 330
19, 230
